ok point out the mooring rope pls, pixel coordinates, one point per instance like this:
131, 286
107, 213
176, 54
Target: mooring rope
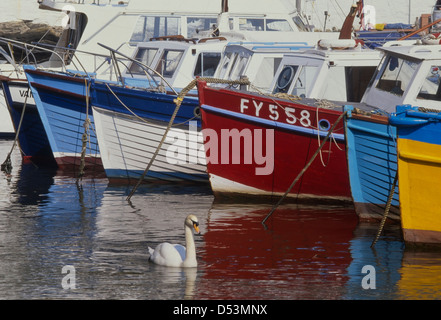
386, 210
305, 168
178, 102
85, 136
122, 103
7, 164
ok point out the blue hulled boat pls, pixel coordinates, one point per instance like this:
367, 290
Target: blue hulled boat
32, 139
62, 101
372, 163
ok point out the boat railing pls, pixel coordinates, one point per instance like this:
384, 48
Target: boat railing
105, 66
150, 73
99, 65
96, 2
9, 49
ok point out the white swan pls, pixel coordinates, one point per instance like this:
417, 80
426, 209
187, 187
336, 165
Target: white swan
175, 255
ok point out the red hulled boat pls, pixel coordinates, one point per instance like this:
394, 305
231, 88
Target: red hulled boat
257, 145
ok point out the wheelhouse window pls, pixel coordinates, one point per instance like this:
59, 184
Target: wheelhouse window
396, 75
285, 78
304, 82
225, 64
207, 64
295, 80
148, 27
145, 56
261, 24
431, 88
251, 24
198, 24
239, 66
233, 65
169, 62
277, 25
266, 72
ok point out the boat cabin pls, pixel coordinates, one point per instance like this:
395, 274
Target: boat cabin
258, 61
332, 74
407, 75
175, 59
123, 24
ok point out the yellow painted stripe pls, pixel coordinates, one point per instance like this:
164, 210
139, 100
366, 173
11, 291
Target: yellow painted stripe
419, 173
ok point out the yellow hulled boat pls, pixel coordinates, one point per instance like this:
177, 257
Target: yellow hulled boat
419, 174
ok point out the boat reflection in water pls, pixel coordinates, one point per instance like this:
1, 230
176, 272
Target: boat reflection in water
420, 276
49, 220
302, 248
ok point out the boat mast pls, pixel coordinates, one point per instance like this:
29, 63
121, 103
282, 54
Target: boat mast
299, 6
346, 29
224, 6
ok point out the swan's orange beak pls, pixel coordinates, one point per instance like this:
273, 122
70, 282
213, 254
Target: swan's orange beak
196, 228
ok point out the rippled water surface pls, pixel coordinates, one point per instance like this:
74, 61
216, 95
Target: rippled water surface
49, 221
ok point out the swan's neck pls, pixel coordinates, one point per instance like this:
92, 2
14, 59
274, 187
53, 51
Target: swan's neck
190, 258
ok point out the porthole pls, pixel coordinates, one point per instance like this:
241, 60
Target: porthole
285, 78
324, 125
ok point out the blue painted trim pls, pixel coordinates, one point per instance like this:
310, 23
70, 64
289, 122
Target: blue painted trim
273, 124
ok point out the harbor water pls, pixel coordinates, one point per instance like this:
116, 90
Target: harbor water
66, 239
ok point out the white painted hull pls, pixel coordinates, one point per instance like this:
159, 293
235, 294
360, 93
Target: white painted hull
127, 145
6, 127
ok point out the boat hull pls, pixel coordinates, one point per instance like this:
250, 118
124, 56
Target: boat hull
419, 170
267, 150
130, 125
372, 164
6, 126
32, 138
63, 103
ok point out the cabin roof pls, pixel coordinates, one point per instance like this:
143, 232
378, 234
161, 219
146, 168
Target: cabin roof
414, 52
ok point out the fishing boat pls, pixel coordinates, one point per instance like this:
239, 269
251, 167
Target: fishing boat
127, 153
408, 75
174, 56
419, 173
130, 120
286, 127
118, 24
122, 25
6, 126
372, 163
128, 137
20, 105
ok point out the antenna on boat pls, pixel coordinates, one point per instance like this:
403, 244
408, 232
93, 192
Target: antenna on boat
299, 6
224, 6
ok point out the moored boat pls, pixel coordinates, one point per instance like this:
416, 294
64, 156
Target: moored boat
286, 128
21, 109
122, 25
419, 173
131, 121
408, 75
62, 102
372, 163
277, 23
249, 155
